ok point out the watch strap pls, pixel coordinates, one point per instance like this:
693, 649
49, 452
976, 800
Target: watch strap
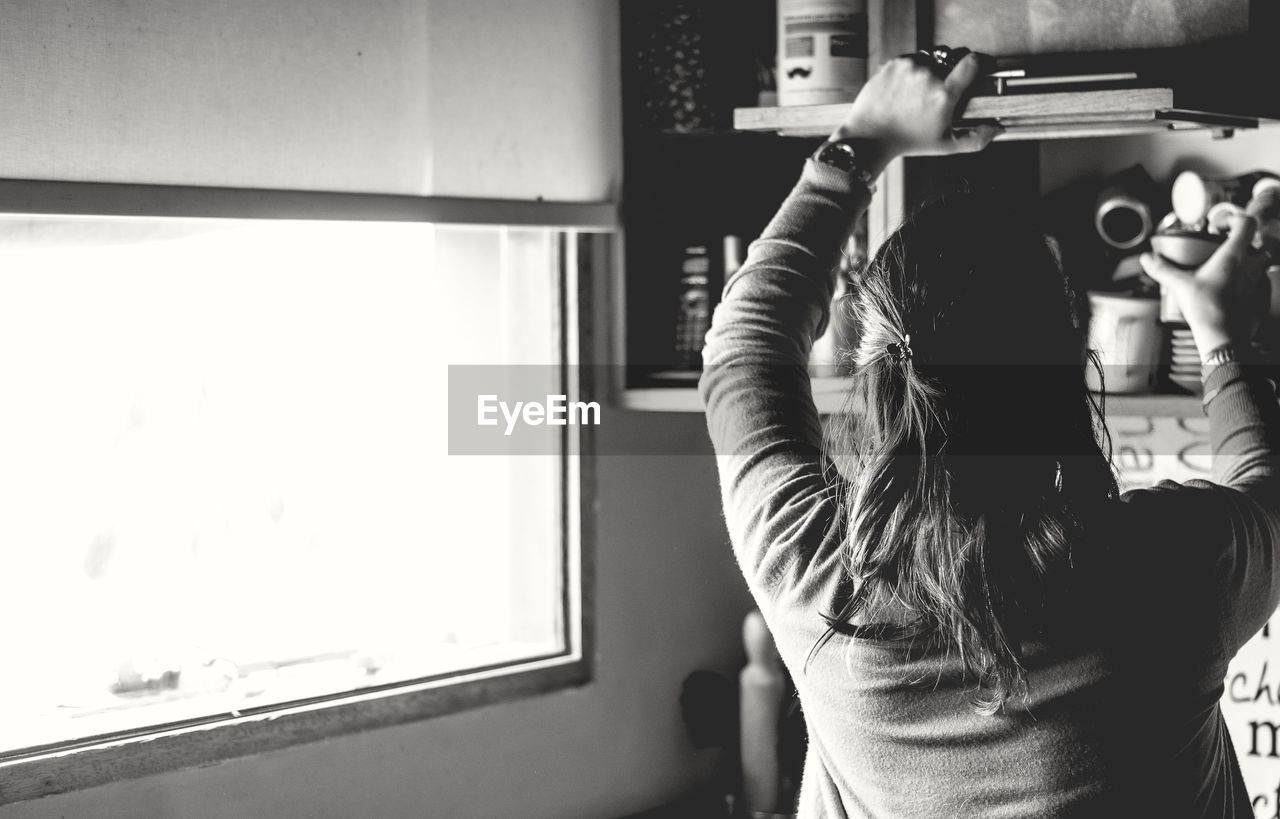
843, 156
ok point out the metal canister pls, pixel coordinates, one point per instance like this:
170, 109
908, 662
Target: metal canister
822, 51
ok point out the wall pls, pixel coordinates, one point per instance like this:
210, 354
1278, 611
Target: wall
1064, 160
128, 92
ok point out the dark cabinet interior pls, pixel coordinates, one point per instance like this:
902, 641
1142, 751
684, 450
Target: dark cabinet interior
694, 69
690, 179
694, 191
1009, 170
1207, 53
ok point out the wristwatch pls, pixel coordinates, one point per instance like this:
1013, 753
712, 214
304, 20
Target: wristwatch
841, 155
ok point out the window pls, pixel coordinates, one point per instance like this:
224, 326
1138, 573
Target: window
229, 492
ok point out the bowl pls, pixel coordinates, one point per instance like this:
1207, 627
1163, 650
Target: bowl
1186, 248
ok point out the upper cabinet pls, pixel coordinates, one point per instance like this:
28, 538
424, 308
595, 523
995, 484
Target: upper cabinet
708, 158
1081, 68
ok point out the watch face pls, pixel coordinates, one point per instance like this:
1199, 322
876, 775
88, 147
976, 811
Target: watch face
838, 155
843, 157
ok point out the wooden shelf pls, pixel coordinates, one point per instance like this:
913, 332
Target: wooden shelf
1054, 115
829, 396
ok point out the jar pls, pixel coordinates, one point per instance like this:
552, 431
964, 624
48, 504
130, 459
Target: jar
822, 51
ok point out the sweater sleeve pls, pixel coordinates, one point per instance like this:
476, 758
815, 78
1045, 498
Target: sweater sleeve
1209, 553
1244, 431
763, 424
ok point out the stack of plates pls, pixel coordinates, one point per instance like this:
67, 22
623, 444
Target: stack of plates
1184, 367
1184, 358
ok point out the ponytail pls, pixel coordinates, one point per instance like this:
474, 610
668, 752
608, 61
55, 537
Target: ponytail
959, 506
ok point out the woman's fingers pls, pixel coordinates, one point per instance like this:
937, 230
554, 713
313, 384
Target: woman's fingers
1165, 274
957, 85
1239, 241
907, 108
974, 139
1237, 257
962, 76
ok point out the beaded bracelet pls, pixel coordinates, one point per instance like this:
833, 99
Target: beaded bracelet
1222, 354
1215, 358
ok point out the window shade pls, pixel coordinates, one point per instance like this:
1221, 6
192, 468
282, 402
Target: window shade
472, 98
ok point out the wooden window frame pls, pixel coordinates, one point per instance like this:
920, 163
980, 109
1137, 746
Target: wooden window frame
76, 765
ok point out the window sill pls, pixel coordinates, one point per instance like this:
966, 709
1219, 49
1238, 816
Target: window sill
28, 775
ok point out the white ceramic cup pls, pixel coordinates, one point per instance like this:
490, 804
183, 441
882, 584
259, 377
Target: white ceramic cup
1124, 330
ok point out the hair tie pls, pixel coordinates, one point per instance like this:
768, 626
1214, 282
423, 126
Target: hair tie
901, 350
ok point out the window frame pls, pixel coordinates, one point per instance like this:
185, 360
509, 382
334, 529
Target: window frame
585, 256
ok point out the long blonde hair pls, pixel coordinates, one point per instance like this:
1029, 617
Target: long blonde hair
971, 450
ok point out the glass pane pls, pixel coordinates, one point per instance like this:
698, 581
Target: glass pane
224, 461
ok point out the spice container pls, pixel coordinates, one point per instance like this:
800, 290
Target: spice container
822, 51
693, 318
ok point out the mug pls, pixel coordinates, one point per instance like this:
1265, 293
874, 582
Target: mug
1125, 332
1193, 194
1121, 218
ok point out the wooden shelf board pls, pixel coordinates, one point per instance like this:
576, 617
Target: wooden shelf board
661, 399
829, 396
1025, 116
1069, 103
1082, 130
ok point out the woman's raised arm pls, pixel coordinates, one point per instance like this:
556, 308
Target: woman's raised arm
755, 384
1223, 301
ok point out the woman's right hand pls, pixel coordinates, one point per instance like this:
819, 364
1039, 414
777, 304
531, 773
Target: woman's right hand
1224, 300
906, 109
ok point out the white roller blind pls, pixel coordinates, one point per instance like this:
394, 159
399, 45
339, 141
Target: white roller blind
526, 99
309, 94
473, 98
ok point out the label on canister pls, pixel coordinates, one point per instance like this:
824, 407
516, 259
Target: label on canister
822, 51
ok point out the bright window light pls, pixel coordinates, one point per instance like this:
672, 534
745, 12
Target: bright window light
225, 473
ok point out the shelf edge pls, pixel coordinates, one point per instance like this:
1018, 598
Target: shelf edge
1101, 106
829, 396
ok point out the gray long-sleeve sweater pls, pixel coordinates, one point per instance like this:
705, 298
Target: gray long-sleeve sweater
1123, 716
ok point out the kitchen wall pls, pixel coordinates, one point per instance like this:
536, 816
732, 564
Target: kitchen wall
326, 94
1164, 156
